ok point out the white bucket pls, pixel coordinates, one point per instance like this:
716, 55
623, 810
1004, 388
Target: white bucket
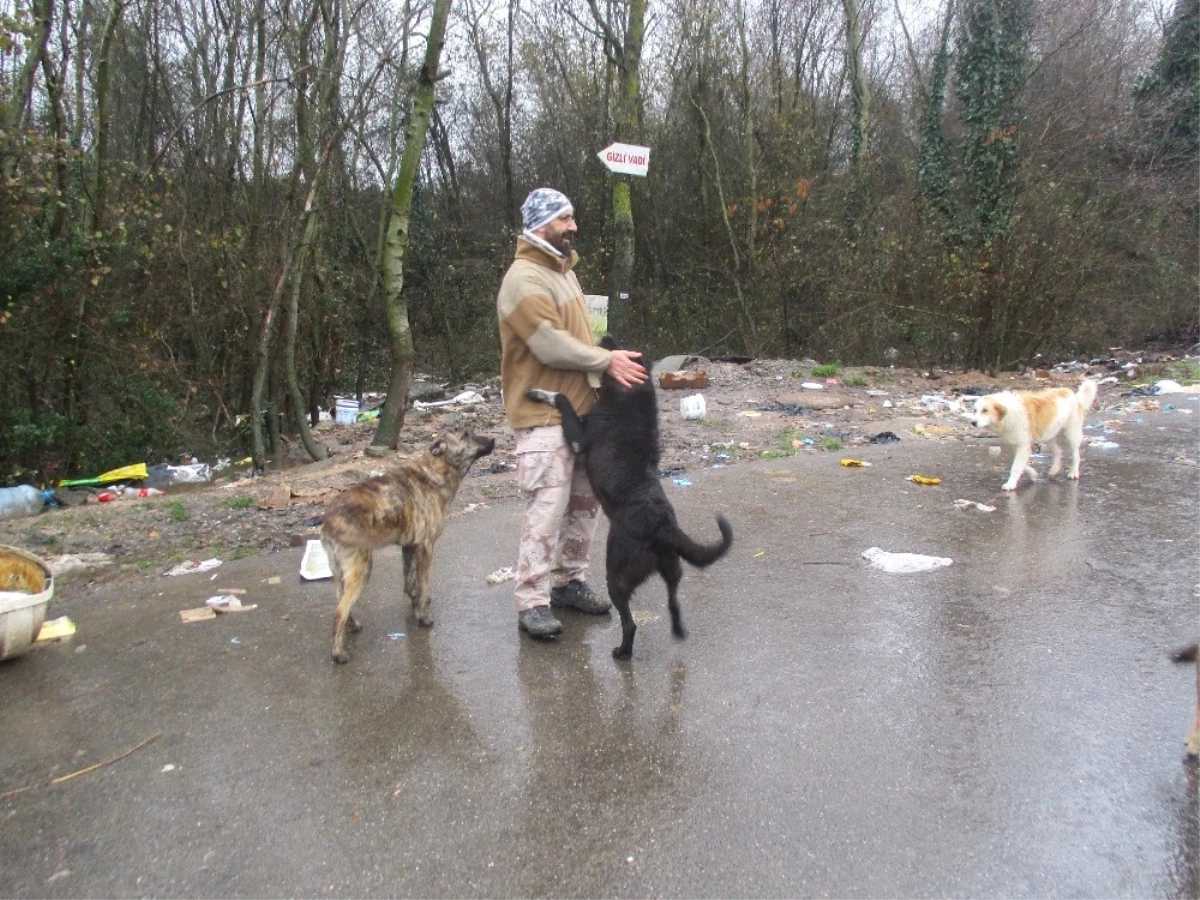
692, 407
347, 411
29, 587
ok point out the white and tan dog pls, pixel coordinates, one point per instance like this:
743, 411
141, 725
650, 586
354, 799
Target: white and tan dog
1024, 418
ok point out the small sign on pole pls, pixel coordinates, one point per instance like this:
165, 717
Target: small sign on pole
626, 159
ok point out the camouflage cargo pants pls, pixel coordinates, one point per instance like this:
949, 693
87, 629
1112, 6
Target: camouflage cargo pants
560, 515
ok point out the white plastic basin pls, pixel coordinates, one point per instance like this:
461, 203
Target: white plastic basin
26, 586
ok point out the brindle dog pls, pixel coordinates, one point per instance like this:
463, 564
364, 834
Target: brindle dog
407, 506
619, 441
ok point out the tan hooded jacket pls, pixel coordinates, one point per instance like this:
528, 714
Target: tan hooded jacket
545, 336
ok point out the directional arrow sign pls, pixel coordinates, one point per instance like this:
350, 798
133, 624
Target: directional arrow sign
626, 159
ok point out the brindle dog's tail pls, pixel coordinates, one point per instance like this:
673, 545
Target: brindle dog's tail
701, 554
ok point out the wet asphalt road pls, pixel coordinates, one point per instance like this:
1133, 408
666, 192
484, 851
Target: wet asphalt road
1009, 726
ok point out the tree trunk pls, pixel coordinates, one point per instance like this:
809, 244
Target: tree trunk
626, 54
99, 185
391, 417
860, 95
299, 406
748, 141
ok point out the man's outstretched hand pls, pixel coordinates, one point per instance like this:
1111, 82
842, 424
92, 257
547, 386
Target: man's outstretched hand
625, 368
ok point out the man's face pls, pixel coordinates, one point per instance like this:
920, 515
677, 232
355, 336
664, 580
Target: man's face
559, 233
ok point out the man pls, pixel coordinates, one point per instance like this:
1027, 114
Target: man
546, 342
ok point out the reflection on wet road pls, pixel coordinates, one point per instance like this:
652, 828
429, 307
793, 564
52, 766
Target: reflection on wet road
1009, 726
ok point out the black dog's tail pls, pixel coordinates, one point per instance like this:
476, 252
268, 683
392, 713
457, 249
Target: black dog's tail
1185, 654
701, 554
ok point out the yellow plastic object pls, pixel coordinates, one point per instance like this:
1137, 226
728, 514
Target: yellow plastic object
56, 629
136, 472
854, 463
922, 479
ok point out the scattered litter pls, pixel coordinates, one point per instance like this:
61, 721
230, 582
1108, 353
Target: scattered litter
56, 629
71, 562
760, 554
904, 563
924, 479
676, 363
683, 482
887, 404
280, 498
346, 410
692, 406
128, 492
194, 565
1102, 443
876, 393
224, 603
937, 403
315, 564
466, 398
972, 504
750, 413
136, 472
473, 507
1167, 386
690, 381
792, 409
274, 579
855, 463
235, 640
199, 614
191, 473
169, 767
932, 429
502, 575
396, 635
812, 386
22, 500
885, 437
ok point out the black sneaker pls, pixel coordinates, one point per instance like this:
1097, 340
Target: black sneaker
539, 622
577, 595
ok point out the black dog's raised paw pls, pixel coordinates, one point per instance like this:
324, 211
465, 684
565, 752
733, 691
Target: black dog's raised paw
537, 395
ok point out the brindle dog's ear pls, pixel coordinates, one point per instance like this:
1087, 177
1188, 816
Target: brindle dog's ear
438, 447
608, 342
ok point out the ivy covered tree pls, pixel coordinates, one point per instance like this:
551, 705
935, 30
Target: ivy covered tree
1167, 97
990, 72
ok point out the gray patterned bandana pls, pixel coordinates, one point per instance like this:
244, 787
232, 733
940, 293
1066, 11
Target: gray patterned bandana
542, 207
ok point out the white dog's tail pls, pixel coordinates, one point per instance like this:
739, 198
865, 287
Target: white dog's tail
1086, 395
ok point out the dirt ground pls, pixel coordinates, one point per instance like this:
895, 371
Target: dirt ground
753, 409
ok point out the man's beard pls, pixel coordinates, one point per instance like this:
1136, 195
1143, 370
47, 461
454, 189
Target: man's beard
561, 243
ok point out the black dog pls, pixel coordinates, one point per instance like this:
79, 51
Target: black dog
619, 440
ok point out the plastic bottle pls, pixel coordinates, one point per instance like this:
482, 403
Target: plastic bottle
20, 501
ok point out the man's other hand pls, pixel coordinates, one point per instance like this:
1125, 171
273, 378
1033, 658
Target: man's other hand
625, 369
